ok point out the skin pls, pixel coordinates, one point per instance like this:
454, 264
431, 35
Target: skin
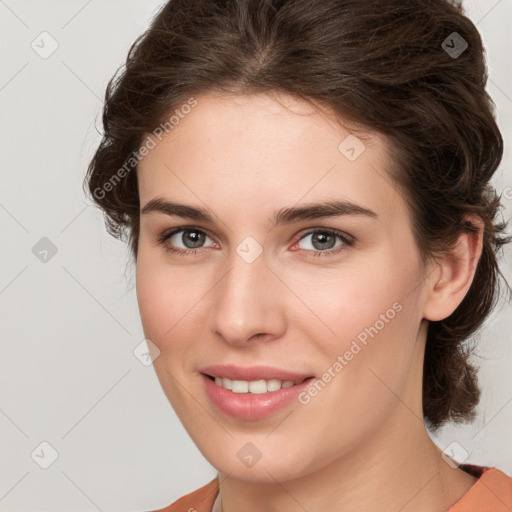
361, 443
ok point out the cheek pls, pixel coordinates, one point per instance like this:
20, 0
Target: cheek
369, 323
170, 299
160, 300
375, 346
360, 301
366, 365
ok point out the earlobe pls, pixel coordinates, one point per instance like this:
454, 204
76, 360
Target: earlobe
453, 273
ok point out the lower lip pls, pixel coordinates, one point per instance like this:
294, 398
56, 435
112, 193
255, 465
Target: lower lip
249, 406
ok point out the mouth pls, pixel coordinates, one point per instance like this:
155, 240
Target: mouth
255, 387
253, 398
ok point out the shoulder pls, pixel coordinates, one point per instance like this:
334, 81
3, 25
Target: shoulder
200, 500
492, 491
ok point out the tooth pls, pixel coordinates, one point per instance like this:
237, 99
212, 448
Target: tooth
240, 386
255, 386
258, 386
273, 385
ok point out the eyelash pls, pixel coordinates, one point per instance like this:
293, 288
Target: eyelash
347, 241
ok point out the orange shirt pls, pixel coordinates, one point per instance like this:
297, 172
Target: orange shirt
491, 493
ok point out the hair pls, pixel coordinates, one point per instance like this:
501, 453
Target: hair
380, 64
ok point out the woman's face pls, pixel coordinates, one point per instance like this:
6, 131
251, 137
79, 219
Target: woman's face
277, 295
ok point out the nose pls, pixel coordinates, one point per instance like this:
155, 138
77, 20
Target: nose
248, 303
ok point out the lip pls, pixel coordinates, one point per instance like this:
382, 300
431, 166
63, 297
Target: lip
249, 373
249, 406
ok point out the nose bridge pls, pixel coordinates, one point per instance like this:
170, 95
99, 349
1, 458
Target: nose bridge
244, 305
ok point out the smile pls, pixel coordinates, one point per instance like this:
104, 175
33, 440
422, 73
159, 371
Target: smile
253, 400
256, 387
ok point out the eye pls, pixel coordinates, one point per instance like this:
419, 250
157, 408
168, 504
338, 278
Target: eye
323, 242
191, 238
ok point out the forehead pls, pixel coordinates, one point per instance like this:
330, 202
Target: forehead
262, 150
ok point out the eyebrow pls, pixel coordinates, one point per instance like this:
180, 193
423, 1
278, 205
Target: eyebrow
286, 215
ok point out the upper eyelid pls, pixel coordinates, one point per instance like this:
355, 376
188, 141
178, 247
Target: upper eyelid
171, 232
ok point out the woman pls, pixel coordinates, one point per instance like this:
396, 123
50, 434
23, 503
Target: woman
305, 188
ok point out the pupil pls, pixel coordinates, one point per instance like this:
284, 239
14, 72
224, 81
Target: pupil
322, 238
195, 238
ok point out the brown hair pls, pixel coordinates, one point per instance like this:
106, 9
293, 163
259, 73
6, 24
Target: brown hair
381, 64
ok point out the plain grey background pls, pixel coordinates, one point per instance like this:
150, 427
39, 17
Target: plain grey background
69, 317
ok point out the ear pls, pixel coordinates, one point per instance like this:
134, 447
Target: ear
452, 274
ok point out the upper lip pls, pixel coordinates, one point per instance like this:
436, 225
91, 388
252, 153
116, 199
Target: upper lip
251, 373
